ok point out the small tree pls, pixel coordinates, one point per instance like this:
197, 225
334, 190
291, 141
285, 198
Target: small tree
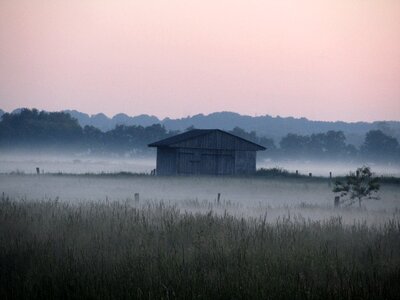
358, 185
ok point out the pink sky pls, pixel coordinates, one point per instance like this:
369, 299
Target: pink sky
320, 59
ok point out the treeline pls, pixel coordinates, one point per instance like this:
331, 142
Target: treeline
32, 129
377, 146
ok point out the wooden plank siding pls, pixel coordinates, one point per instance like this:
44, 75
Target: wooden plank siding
166, 161
217, 140
205, 161
206, 152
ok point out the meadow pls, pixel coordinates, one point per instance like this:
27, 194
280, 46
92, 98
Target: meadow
85, 237
68, 163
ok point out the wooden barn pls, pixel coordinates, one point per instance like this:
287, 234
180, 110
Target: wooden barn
206, 152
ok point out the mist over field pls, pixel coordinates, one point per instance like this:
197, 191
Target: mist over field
73, 164
272, 198
337, 167
79, 206
53, 162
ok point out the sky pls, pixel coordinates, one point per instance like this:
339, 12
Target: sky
319, 59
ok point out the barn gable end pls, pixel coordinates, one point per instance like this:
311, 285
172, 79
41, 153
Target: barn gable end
218, 140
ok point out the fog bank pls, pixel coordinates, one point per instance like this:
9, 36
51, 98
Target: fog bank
84, 163
272, 199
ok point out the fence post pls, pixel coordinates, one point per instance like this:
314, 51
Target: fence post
218, 197
37, 170
337, 201
297, 172
137, 197
310, 174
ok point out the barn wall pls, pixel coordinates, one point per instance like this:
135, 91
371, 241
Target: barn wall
245, 162
190, 161
166, 161
205, 161
226, 162
219, 141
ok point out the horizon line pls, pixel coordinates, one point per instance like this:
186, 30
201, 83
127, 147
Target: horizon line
198, 114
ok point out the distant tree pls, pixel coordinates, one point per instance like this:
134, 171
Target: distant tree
386, 128
252, 136
268, 143
351, 151
33, 128
357, 185
156, 132
126, 138
93, 138
294, 145
331, 144
335, 143
379, 145
316, 145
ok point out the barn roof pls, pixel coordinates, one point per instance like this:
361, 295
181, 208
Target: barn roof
180, 140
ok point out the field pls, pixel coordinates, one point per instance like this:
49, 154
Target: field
85, 236
55, 162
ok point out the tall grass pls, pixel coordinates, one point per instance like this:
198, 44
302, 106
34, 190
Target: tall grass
94, 250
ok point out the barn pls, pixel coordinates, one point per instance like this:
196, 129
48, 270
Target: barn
206, 152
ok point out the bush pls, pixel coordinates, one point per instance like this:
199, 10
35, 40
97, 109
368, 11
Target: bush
359, 185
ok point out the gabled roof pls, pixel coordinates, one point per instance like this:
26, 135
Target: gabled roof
180, 137
197, 133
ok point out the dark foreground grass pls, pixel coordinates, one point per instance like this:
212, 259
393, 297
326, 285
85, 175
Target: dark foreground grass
52, 250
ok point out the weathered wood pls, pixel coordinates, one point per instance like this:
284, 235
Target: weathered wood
218, 140
166, 161
337, 201
214, 153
